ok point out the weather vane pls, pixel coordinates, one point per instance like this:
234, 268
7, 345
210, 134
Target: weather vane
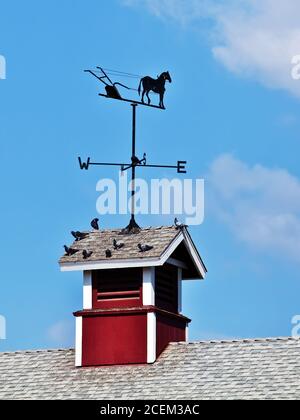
149, 85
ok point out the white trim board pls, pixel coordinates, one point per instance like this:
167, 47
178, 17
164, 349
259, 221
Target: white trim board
87, 290
179, 281
78, 342
107, 265
151, 337
149, 286
194, 255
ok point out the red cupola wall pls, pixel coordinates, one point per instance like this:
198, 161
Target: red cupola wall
129, 316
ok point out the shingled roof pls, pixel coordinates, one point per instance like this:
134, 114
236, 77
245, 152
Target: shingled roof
247, 369
98, 241
165, 241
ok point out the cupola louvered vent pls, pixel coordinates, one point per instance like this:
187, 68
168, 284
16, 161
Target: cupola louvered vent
166, 287
113, 289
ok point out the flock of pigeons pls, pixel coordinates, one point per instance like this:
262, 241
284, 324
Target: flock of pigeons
117, 245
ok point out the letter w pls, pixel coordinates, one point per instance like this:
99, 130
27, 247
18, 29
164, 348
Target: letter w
84, 165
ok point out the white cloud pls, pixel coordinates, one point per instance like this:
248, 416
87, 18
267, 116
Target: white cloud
251, 38
261, 206
182, 11
62, 333
262, 42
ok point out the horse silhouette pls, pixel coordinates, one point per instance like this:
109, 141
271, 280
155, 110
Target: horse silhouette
156, 85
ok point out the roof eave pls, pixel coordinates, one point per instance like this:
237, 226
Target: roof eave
111, 264
199, 264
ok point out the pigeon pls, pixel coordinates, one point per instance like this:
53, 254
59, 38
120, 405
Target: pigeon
179, 225
79, 235
135, 160
118, 244
108, 253
145, 247
86, 254
94, 224
70, 251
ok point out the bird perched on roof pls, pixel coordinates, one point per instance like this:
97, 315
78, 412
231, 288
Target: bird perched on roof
179, 225
79, 235
70, 251
118, 244
86, 254
108, 253
95, 224
145, 247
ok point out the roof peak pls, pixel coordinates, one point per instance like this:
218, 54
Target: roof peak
186, 344
141, 229
35, 351
239, 340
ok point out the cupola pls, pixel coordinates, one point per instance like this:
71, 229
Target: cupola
132, 293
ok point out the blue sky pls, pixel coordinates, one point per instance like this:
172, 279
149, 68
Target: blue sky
233, 114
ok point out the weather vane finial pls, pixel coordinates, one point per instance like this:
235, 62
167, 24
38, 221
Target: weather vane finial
157, 86
149, 84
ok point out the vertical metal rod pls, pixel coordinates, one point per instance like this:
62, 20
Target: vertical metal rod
133, 166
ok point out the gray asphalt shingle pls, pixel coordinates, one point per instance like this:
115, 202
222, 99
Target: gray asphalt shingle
246, 369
